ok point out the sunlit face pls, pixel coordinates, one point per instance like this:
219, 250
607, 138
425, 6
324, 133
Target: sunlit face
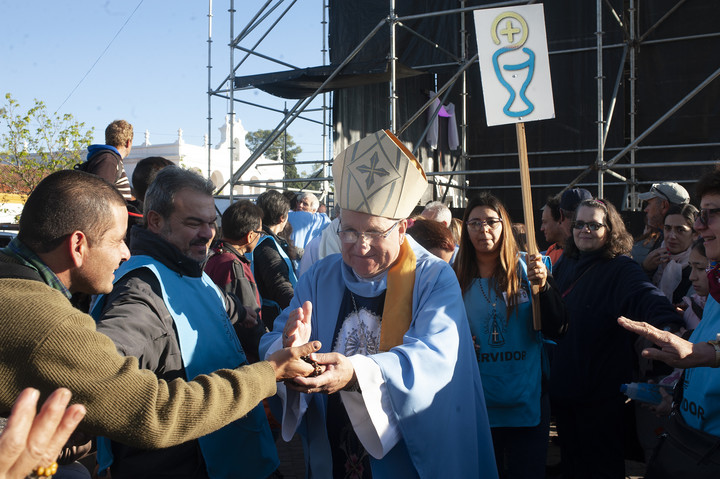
698, 264
710, 232
655, 212
585, 239
307, 204
550, 227
486, 239
677, 233
367, 257
105, 254
191, 226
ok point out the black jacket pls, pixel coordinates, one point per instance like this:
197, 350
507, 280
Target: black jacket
596, 355
136, 319
273, 276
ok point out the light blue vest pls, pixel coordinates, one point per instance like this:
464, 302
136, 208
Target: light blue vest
207, 343
700, 406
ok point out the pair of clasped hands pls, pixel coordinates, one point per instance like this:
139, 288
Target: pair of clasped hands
336, 369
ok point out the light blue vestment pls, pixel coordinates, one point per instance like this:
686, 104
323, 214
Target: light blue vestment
432, 378
306, 226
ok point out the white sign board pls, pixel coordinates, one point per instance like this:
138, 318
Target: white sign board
514, 64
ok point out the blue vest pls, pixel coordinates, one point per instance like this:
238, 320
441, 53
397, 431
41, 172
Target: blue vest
291, 269
207, 343
700, 406
509, 352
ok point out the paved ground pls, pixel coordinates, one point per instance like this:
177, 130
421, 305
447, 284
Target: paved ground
292, 462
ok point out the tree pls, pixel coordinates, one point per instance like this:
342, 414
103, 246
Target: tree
37, 143
283, 147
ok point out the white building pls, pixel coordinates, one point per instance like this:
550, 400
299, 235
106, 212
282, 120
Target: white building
195, 157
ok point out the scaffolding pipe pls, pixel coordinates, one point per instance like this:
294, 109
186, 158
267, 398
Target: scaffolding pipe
392, 19
232, 97
300, 105
325, 128
634, 202
613, 101
429, 42
662, 19
251, 24
652, 127
592, 150
252, 51
667, 115
272, 109
463, 50
445, 86
209, 98
600, 112
604, 119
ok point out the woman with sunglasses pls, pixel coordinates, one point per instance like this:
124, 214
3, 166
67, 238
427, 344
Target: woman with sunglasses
599, 282
496, 282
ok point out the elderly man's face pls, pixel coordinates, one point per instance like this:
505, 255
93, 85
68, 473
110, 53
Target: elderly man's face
655, 211
191, 226
370, 257
307, 204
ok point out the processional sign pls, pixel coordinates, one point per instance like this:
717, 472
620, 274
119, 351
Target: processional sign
515, 73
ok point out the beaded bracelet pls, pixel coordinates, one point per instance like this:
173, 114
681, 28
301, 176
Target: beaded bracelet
46, 471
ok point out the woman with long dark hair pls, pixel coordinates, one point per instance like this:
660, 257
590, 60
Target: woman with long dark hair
599, 282
496, 281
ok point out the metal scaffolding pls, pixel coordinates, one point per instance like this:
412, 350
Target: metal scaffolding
626, 71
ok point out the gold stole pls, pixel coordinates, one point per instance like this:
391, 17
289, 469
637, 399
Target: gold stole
397, 312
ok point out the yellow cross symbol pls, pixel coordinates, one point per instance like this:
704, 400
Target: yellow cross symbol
509, 31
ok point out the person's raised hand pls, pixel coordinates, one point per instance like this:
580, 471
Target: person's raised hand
655, 258
30, 441
297, 328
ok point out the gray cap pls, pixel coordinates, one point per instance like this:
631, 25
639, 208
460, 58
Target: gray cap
672, 192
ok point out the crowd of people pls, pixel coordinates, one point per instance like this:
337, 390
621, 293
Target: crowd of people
387, 344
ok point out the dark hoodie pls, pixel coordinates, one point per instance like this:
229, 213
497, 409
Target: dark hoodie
105, 161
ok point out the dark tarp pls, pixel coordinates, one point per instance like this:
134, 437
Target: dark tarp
302, 83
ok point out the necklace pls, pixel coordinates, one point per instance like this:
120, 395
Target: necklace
492, 326
352, 296
482, 290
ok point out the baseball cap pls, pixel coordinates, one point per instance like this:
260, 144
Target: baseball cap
572, 197
672, 192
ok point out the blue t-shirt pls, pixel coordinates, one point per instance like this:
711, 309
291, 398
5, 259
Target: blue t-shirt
509, 352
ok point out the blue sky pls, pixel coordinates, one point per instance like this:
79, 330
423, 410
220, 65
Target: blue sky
154, 73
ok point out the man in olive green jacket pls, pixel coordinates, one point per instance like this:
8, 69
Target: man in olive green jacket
71, 240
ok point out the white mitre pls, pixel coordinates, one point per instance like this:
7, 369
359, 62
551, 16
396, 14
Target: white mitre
378, 175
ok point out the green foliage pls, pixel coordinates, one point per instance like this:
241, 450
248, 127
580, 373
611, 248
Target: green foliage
283, 147
37, 143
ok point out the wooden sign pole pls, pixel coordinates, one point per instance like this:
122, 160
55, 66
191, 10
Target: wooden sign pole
528, 215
